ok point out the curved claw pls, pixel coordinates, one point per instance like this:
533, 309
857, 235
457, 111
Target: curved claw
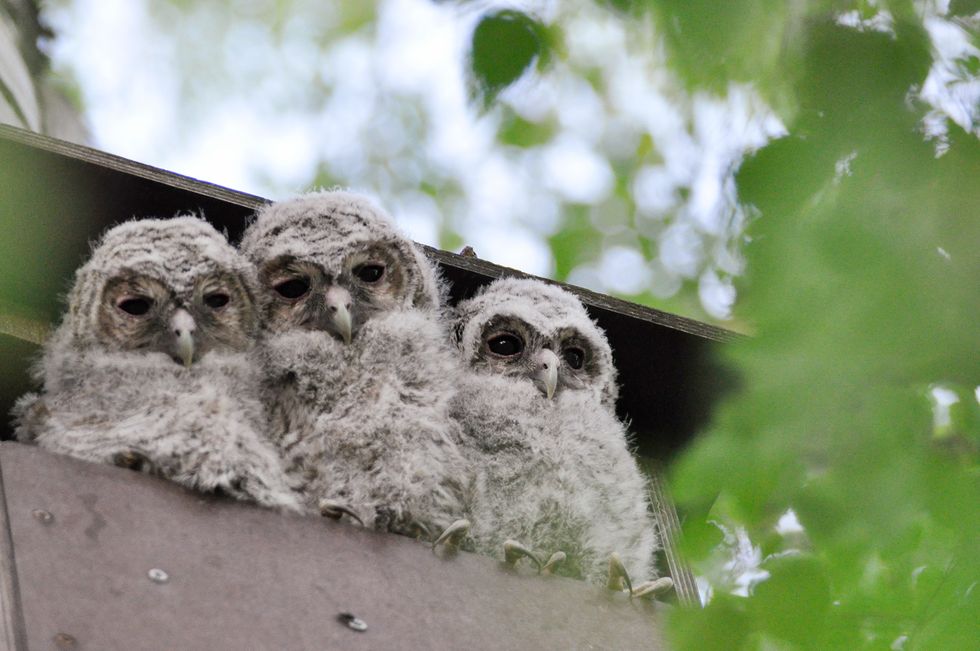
554, 561
653, 588
132, 460
334, 511
619, 578
453, 534
513, 551
419, 531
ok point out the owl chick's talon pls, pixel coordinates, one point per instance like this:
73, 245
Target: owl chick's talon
653, 588
453, 535
335, 510
619, 578
419, 531
513, 551
132, 460
554, 561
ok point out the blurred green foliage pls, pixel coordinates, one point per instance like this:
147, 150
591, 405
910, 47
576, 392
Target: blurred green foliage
862, 286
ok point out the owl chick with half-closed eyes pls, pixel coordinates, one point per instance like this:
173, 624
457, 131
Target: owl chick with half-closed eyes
150, 366
553, 467
358, 372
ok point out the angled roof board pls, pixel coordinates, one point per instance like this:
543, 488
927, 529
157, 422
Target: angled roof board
56, 197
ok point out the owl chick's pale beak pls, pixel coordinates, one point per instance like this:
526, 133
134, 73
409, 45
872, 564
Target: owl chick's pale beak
337, 304
546, 372
183, 326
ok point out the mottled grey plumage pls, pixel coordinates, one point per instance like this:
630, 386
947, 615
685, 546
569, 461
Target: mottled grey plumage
554, 473
151, 364
358, 370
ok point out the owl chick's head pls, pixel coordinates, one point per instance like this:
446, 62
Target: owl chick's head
533, 330
163, 285
330, 260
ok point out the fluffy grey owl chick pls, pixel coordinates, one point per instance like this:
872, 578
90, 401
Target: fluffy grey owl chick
151, 364
357, 367
538, 413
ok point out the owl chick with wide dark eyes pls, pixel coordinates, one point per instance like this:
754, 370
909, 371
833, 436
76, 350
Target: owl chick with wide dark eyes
150, 366
553, 467
358, 370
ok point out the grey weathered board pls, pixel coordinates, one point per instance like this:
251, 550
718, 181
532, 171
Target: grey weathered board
242, 577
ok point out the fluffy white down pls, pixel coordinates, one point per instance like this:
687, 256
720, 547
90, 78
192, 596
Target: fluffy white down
547, 308
324, 226
177, 251
197, 426
554, 474
203, 426
365, 424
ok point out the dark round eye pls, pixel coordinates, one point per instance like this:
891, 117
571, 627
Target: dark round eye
216, 300
505, 345
574, 357
293, 288
370, 272
137, 305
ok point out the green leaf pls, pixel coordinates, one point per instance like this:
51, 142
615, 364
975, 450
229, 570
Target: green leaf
964, 7
504, 45
723, 625
519, 132
793, 603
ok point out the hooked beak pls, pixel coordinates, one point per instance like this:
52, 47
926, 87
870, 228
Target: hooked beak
338, 303
546, 372
183, 326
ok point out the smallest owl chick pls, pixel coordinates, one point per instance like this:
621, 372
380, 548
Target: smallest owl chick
150, 366
537, 410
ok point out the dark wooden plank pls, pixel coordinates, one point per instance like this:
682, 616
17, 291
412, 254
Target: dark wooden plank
240, 577
129, 167
13, 634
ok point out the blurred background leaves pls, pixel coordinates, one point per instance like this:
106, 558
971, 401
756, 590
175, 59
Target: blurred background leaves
807, 171
861, 284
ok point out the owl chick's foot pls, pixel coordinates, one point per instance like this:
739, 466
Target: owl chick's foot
415, 529
619, 578
133, 461
453, 535
554, 561
653, 588
335, 510
513, 551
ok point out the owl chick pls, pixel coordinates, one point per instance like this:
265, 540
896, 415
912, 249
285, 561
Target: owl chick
539, 427
150, 366
358, 372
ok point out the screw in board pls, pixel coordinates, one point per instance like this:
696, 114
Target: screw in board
158, 576
353, 622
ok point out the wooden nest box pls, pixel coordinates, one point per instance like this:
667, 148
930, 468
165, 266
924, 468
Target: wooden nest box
97, 557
